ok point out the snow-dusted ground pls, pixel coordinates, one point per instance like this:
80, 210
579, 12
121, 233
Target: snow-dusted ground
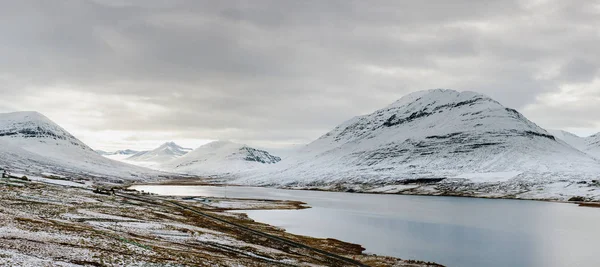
59, 182
44, 225
488, 177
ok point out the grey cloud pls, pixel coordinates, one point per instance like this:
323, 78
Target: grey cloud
580, 70
284, 70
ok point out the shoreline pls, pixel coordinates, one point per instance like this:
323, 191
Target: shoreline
589, 204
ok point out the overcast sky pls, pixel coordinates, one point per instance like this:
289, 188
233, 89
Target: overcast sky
134, 74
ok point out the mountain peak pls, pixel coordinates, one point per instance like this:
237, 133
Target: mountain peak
170, 144
25, 116
121, 152
433, 133
221, 158
221, 142
28, 128
428, 112
439, 97
165, 152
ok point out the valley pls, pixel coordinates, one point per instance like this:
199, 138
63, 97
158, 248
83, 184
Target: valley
429, 143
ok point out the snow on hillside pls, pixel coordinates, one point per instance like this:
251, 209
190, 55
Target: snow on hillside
32, 142
119, 155
463, 136
590, 145
570, 138
128, 152
221, 158
593, 145
165, 152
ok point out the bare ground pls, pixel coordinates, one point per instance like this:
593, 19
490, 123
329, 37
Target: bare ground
43, 225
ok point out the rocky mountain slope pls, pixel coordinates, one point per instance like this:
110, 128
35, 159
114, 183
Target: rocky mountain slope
221, 158
30, 141
454, 138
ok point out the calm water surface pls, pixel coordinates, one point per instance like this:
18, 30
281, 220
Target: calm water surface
448, 230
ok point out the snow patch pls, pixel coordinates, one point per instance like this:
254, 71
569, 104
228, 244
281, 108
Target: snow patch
488, 177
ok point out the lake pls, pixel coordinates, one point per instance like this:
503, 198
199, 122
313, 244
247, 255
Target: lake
453, 231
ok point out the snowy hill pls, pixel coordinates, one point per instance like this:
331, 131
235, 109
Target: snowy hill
593, 145
590, 145
119, 155
570, 138
165, 152
30, 141
463, 137
128, 152
221, 158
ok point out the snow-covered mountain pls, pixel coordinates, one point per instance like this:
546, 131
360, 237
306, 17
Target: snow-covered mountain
119, 155
165, 152
593, 145
102, 152
439, 133
31, 141
570, 138
124, 152
589, 145
221, 158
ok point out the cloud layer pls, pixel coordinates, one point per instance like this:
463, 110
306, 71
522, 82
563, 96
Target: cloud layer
124, 73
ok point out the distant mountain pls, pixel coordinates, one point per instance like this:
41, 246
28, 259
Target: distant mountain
464, 137
165, 152
570, 138
31, 141
221, 158
593, 145
590, 145
118, 152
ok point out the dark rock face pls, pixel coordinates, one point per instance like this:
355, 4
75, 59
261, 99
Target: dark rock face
430, 110
41, 131
259, 156
577, 199
32, 132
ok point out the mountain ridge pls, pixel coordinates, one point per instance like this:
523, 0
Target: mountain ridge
221, 158
589, 145
435, 133
165, 152
118, 152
